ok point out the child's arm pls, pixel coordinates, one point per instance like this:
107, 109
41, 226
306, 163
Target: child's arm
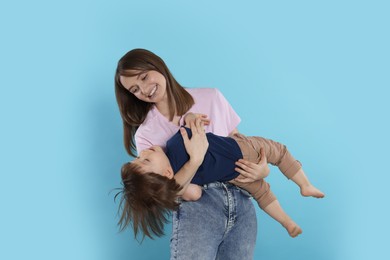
196, 148
192, 193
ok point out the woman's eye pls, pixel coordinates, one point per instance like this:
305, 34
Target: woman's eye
134, 90
144, 77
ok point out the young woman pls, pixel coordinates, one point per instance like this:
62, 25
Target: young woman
152, 105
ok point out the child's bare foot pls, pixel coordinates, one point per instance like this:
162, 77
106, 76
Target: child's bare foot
292, 228
311, 191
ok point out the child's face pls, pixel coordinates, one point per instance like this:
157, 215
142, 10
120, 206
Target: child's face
154, 160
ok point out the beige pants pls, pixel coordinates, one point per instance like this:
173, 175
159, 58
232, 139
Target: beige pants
276, 154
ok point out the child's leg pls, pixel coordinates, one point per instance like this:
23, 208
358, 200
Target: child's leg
276, 212
277, 154
261, 192
307, 189
192, 193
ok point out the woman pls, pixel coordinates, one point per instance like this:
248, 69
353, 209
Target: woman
152, 104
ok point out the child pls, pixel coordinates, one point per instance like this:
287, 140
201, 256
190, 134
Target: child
150, 188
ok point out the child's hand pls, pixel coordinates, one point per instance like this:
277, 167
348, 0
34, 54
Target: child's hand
196, 147
191, 117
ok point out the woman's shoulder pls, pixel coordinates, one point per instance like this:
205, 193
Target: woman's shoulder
195, 92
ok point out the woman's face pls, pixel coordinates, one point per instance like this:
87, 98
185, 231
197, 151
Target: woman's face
149, 86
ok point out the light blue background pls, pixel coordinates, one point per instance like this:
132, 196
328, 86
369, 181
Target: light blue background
311, 74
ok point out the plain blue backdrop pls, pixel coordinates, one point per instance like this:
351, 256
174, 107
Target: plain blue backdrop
311, 74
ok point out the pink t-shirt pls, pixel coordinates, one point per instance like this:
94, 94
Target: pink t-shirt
157, 129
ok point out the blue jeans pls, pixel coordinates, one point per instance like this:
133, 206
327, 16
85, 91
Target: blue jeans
220, 225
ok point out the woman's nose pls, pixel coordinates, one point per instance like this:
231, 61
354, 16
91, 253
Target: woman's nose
144, 90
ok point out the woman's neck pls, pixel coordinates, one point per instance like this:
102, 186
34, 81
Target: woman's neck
163, 108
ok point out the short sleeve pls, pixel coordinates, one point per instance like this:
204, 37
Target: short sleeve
227, 112
211, 102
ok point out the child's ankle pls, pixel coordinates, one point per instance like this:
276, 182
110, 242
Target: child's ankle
311, 191
285, 222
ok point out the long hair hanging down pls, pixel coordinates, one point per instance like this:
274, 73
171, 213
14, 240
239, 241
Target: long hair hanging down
133, 111
147, 201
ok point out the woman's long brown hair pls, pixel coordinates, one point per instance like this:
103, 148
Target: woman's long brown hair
133, 111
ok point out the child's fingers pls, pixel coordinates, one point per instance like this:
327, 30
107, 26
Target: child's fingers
197, 123
199, 126
204, 118
206, 121
194, 130
201, 116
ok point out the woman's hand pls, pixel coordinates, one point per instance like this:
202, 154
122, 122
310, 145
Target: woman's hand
191, 117
196, 147
250, 172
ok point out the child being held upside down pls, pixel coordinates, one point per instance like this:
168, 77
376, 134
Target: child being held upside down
151, 190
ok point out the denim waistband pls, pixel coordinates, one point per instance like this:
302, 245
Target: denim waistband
227, 185
217, 184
